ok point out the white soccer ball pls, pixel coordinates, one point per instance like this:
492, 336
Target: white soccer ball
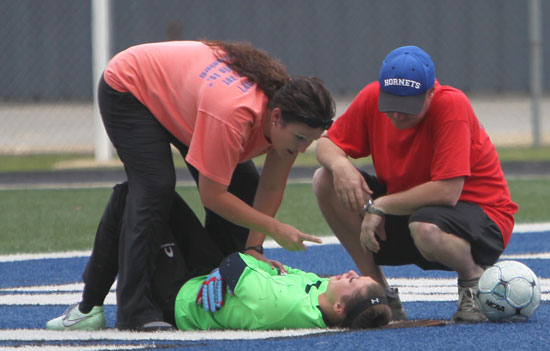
509, 291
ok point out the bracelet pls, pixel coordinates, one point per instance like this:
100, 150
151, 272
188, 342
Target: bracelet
258, 248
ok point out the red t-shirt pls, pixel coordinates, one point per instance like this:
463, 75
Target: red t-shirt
450, 142
215, 112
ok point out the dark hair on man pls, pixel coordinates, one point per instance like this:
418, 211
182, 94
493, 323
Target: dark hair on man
367, 310
301, 99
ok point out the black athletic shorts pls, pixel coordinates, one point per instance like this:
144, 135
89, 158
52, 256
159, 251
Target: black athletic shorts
466, 220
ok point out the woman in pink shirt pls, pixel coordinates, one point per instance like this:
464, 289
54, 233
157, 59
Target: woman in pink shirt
220, 104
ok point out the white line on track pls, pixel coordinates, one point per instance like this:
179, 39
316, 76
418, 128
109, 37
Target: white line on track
112, 334
415, 289
76, 348
41, 256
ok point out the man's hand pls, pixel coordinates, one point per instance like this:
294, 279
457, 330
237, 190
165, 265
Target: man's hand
372, 224
212, 292
350, 186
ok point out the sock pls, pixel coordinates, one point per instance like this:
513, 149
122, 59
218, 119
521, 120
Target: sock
468, 283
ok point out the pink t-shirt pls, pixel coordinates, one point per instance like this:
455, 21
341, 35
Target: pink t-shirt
450, 142
210, 108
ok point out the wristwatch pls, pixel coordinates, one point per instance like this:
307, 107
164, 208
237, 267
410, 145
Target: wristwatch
369, 207
257, 248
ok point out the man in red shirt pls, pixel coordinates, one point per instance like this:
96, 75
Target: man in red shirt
439, 198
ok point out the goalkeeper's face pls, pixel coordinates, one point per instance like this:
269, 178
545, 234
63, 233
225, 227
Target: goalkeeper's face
343, 286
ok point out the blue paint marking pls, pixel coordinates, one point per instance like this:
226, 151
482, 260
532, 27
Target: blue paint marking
324, 259
38, 272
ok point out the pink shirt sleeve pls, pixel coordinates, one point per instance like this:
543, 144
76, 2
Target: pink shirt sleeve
215, 148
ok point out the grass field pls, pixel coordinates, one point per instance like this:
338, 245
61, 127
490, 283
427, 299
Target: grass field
66, 219
57, 220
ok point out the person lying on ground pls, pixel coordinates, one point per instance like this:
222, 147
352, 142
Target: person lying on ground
197, 288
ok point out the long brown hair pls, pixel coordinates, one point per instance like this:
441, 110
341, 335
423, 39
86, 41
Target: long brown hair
255, 64
301, 99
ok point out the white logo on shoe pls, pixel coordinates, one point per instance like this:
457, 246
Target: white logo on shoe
68, 322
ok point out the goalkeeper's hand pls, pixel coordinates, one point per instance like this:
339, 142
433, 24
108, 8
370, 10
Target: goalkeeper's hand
212, 292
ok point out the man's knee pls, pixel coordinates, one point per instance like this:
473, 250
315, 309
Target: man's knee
322, 180
427, 238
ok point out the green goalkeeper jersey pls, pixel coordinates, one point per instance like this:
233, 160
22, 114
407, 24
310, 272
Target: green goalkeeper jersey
261, 299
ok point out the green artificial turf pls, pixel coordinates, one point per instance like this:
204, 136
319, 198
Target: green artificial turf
61, 220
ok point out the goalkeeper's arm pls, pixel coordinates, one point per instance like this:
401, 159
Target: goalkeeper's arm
231, 269
221, 280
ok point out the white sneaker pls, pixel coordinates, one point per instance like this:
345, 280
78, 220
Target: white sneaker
73, 319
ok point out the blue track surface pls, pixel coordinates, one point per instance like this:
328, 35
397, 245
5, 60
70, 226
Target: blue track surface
34, 274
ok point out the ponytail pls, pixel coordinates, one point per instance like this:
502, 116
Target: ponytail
258, 66
301, 99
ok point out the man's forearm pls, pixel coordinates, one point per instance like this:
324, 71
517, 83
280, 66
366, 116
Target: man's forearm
443, 193
328, 154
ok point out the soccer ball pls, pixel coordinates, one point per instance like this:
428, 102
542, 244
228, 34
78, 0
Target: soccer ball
509, 291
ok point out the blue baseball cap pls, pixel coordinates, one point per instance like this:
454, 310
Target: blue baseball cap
406, 75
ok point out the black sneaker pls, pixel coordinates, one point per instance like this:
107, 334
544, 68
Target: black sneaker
156, 326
